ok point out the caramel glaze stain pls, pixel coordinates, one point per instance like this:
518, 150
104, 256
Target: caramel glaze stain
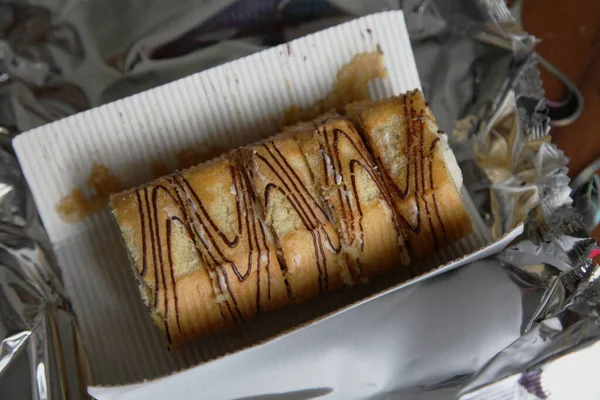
350, 209
75, 206
308, 209
209, 242
351, 85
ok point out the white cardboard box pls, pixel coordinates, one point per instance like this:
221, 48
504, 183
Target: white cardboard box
227, 106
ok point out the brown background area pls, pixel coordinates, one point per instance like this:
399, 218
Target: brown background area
570, 39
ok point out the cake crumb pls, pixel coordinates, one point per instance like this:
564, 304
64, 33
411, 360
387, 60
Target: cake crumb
351, 85
74, 207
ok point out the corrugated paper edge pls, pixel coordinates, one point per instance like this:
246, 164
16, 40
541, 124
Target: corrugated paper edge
126, 392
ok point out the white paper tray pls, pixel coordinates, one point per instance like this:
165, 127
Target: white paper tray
230, 105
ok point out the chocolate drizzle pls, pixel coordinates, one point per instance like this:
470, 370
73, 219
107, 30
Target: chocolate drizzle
310, 212
336, 174
143, 229
174, 201
417, 161
435, 202
233, 244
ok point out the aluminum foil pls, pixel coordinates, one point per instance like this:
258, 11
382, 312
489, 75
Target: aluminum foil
552, 359
478, 70
41, 356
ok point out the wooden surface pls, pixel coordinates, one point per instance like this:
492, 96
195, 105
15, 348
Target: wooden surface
570, 39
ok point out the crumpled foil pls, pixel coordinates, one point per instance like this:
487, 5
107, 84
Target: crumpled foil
41, 355
586, 194
552, 359
478, 70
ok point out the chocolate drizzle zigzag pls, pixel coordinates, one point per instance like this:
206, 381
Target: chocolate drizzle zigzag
416, 163
318, 206
336, 174
309, 210
210, 243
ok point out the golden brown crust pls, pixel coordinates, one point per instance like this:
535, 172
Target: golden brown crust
203, 259
351, 187
308, 241
292, 217
402, 135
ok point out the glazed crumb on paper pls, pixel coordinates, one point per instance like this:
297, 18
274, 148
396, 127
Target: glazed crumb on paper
75, 206
351, 84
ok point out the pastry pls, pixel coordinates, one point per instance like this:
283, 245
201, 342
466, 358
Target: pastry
203, 258
352, 189
318, 207
418, 168
306, 237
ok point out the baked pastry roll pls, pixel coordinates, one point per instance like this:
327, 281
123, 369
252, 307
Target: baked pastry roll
352, 189
203, 259
303, 213
309, 244
418, 168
